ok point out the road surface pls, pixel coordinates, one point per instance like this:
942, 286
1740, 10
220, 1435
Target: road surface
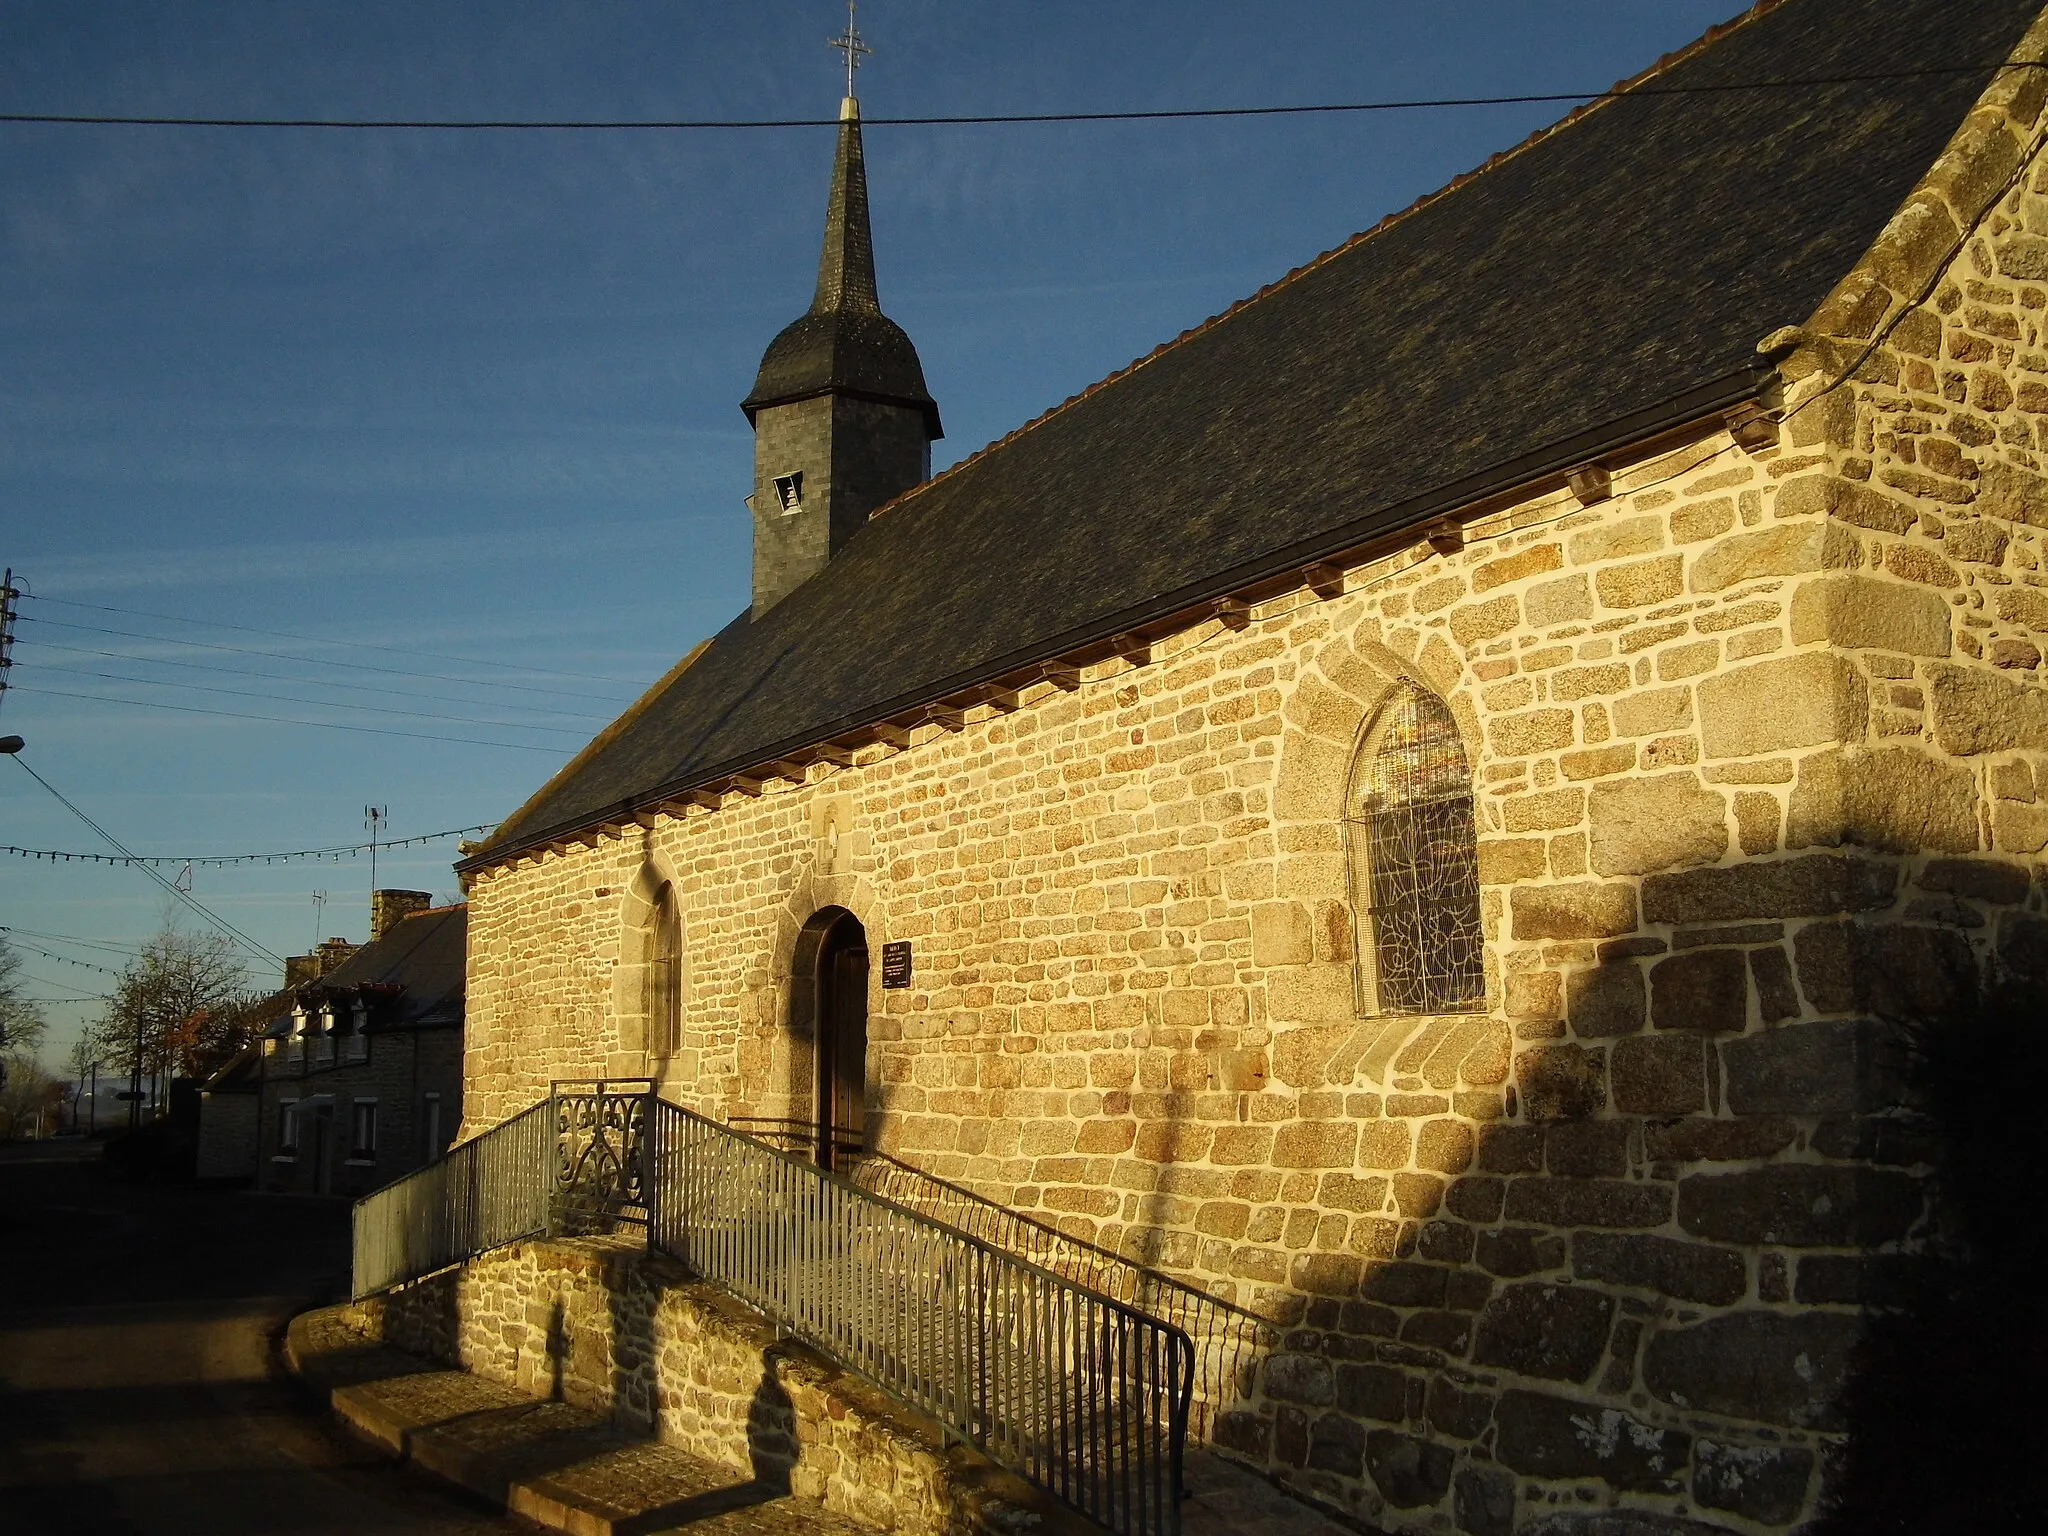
140, 1390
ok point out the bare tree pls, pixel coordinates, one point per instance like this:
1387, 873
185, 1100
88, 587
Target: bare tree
21, 1017
178, 1007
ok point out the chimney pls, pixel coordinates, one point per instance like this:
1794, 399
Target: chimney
389, 908
300, 969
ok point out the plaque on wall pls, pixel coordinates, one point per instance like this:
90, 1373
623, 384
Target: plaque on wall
896, 963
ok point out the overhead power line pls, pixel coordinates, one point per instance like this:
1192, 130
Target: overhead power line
325, 725
170, 889
308, 682
359, 666
353, 645
51, 954
72, 938
1412, 104
220, 860
291, 698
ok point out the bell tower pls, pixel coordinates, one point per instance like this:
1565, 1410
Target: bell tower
842, 419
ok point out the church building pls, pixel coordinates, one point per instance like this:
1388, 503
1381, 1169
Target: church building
1418, 806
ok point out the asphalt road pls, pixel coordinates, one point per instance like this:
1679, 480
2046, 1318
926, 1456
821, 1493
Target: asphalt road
140, 1388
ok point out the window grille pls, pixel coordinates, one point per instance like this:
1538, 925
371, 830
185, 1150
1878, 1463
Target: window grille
665, 974
1414, 863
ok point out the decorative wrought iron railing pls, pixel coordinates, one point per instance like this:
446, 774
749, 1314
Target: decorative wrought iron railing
489, 1191
600, 1164
1081, 1393
1229, 1340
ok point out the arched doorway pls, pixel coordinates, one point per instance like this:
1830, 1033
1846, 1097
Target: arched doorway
841, 1034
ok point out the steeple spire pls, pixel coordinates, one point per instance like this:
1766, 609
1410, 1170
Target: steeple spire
846, 269
842, 419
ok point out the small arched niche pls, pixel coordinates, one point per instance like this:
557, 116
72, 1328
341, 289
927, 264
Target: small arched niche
650, 988
1412, 857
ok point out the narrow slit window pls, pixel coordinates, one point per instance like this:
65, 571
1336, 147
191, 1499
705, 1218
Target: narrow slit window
665, 974
1414, 861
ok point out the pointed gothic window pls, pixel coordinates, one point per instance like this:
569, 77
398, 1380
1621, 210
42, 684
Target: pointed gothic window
1414, 862
664, 974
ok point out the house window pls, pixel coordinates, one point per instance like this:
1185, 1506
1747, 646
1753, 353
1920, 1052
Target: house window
430, 1122
665, 973
355, 1045
288, 1128
362, 1142
1414, 864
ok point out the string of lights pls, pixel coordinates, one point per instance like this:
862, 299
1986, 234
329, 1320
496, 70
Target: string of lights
175, 891
222, 860
51, 954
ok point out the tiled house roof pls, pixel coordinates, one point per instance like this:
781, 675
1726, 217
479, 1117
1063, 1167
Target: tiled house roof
1609, 279
412, 976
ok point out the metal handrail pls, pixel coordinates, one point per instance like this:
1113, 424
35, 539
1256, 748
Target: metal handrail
488, 1191
1229, 1339
1082, 1394
1077, 1390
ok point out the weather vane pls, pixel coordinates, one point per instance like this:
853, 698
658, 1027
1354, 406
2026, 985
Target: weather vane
850, 44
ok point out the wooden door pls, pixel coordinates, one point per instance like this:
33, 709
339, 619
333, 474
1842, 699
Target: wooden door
842, 1044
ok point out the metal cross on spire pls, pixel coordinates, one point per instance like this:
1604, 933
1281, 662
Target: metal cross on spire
850, 44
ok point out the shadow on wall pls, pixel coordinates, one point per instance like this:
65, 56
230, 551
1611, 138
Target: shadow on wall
1943, 1406
771, 1430
1526, 1315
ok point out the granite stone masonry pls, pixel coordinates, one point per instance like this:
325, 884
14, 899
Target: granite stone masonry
605, 1327
1757, 726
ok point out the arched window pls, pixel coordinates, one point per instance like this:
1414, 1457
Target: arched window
1415, 862
664, 973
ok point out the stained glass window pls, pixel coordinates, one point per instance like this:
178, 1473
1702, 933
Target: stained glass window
665, 974
1414, 863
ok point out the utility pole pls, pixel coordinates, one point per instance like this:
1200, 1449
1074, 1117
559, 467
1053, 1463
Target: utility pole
92, 1102
319, 906
8, 593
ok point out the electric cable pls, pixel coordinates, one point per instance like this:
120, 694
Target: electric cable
362, 666
310, 682
234, 714
288, 698
496, 124
186, 897
356, 645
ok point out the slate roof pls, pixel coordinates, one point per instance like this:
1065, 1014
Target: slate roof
414, 973
1606, 279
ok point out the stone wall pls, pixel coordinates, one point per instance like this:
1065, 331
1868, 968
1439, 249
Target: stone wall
401, 1068
1759, 744
227, 1136
607, 1327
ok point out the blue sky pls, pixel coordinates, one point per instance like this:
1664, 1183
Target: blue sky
472, 399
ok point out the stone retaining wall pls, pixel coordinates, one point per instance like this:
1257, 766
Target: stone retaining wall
607, 1327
